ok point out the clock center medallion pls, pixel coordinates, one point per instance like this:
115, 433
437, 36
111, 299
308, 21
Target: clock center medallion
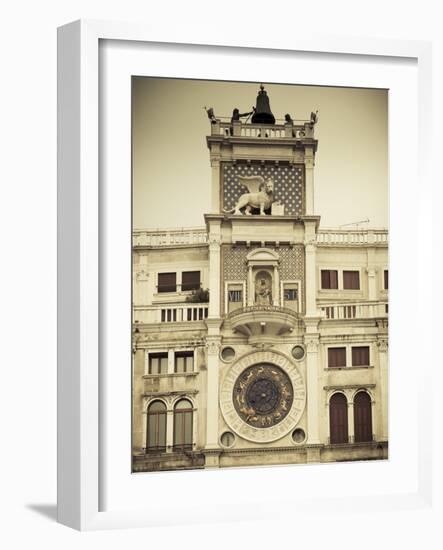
263, 395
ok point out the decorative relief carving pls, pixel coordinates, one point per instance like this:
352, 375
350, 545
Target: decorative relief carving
263, 289
142, 275
312, 345
213, 347
260, 196
263, 395
235, 267
382, 345
214, 240
263, 392
288, 184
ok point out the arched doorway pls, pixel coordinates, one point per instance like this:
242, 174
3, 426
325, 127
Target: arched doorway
183, 424
156, 427
338, 419
362, 417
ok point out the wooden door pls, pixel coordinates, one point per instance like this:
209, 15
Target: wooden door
338, 419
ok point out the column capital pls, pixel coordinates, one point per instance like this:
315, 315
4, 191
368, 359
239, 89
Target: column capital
312, 343
214, 241
213, 347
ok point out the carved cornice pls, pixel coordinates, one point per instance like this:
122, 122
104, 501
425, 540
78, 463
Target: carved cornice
348, 386
169, 393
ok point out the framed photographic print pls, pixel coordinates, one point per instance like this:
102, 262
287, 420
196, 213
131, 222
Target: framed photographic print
231, 224
259, 337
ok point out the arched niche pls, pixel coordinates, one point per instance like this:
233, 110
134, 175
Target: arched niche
263, 277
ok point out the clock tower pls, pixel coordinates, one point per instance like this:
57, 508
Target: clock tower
262, 272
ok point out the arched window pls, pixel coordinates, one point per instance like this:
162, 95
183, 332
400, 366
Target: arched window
362, 417
183, 412
338, 419
156, 427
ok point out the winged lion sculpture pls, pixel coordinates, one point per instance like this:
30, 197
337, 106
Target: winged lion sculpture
259, 196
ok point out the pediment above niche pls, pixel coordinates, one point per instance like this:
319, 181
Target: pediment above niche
261, 255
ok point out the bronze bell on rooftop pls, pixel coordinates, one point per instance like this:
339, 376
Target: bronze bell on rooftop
262, 113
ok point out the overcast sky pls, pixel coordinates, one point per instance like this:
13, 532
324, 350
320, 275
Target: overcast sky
171, 167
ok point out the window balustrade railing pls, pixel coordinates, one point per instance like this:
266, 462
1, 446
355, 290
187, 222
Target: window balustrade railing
360, 310
174, 313
263, 309
170, 237
198, 236
351, 237
262, 131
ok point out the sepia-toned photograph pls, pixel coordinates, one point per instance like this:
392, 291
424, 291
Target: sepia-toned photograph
260, 274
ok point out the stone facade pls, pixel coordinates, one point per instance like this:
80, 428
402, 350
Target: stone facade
286, 361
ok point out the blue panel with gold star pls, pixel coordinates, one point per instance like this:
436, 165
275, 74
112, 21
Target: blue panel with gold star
288, 184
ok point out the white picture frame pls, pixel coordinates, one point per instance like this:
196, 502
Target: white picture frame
81, 211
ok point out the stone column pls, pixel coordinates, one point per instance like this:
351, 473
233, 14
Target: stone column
374, 418
141, 283
312, 386
213, 324
311, 278
137, 398
214, 269
309, 180
212, 393
384, 381
351, 433
277, 300
215, 186
171, 362
372, 283
169, 430
250, 290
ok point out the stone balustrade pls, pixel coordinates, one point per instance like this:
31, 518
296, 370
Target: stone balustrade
357, 310
171, 313
352, 237
263, 309
262, 131
170, 237
192, 236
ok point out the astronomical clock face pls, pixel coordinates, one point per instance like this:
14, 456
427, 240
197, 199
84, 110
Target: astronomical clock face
263, 396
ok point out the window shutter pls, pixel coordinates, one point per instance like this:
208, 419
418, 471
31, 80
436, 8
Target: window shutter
360, 356
351, 280
190, 280
167, 282
336, 357
329, 279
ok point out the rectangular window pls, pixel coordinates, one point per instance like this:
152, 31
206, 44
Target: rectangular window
351, 280
336, 357
329, 279
190, 280
184, 361
167, 282
386, 279
158, 363
289, 294
360, 356
235, 296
